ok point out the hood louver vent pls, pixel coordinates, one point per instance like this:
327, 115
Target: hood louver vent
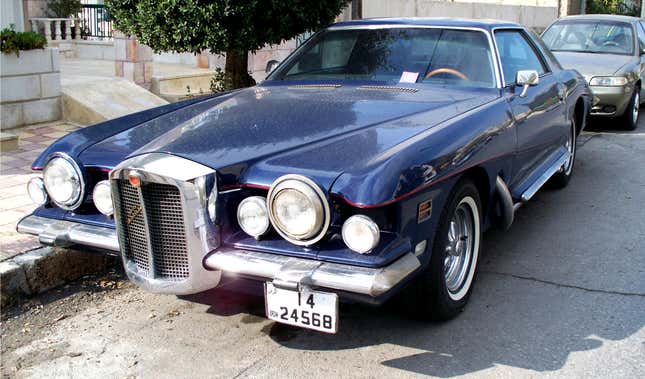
389, 88
314, 86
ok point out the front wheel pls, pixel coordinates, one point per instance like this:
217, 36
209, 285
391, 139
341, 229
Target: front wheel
442, 291
630, 117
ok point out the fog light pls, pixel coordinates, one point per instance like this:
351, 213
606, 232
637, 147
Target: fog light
36, 191
102, 197
361, 234
253, 217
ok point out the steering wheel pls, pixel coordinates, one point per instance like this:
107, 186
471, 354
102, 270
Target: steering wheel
446, 70
611, 43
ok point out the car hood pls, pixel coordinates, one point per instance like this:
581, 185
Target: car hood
591, 64
257, 134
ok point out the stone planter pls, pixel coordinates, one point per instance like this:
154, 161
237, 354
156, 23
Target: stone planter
31, 91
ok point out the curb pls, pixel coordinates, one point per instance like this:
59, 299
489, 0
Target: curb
42, 269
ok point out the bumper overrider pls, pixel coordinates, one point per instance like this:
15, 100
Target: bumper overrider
198, 260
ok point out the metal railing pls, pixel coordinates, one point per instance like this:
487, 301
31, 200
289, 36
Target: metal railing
95, 21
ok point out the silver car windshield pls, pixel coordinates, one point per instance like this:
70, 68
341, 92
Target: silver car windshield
590, 37
394, 55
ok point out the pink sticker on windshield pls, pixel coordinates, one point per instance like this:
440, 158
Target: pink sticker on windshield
409, 77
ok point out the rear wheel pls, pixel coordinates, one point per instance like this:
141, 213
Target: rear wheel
630, 117
442, 291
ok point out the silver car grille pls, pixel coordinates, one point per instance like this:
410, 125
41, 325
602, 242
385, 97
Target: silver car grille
152, 232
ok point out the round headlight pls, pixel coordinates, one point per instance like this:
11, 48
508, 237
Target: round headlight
102, 197
63, 182
36, 191
253, 217
298, 209
361, 234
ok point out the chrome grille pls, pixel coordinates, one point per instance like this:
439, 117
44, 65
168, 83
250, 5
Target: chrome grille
165, 234
132, 233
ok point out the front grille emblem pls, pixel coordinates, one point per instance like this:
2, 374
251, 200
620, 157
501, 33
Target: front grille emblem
132, 213
135, 179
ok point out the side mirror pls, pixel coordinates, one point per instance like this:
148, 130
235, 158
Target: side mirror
271, 65
526, 79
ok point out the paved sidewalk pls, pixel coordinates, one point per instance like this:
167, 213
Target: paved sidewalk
15, 171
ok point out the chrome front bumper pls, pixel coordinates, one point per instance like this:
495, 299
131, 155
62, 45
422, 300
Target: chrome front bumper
282, 270
291, 272
65, 233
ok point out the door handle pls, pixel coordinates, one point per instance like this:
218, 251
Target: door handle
561, 93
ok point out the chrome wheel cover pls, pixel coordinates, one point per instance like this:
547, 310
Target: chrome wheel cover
636, 106
462, 248
571, 146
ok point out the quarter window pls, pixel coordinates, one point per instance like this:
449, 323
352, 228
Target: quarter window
516, 53
641, 35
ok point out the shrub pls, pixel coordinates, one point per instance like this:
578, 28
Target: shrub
613, 7
221, 26
13, 42
64, 8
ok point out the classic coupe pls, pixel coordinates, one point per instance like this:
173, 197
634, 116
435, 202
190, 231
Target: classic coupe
369, 162
609, 51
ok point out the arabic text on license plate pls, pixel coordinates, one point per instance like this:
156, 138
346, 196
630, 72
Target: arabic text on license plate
305, 308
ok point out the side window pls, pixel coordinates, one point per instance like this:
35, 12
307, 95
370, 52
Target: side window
516, 53
641, 35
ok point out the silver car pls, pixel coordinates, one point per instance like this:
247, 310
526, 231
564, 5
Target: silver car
609, 51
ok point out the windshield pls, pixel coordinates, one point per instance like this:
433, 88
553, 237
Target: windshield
590, 37
394, 55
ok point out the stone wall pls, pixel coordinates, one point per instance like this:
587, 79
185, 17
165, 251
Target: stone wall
30, 88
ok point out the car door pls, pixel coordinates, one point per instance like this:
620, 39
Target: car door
540, 118
640, 31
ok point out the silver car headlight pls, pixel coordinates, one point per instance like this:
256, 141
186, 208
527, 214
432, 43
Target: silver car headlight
102, 196
608, 81
253, 216
36, 191
361, 234
298, 209
64, 182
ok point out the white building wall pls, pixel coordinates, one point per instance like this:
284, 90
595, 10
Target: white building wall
536, 14
11, 14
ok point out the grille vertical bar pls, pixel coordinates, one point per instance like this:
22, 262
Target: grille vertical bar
165, 234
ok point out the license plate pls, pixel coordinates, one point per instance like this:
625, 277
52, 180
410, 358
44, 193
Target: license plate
305, 308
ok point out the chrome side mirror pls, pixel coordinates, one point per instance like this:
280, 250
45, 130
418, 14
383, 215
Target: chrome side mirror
526, 79
271, 65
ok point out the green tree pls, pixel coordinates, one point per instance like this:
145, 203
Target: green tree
221, 26
614, 7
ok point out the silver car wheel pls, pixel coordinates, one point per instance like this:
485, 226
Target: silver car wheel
571, 146
636, 106
462, 248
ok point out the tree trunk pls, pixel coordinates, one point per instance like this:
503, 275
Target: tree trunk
236, 69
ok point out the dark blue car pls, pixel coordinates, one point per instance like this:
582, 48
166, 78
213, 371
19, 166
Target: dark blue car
369, 162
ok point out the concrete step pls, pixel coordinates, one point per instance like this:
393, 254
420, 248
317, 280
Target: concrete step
180, 87
89, 100
8, 141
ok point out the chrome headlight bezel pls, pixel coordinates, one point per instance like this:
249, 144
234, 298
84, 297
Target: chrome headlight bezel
109, 210
609, 81
261, 203
369, 225
314, 194
36, 186
79, 188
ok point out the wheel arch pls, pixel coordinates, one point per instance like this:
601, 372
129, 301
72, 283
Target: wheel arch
480, 178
